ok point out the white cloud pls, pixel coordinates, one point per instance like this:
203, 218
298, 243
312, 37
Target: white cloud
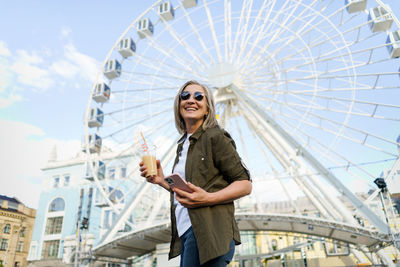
65, 32
65, 68
25, 150
29, 73
5, 75
87, 66
9, 100
38, 71
4, 51
75, 65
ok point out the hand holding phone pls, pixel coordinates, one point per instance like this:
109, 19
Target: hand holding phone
176, 181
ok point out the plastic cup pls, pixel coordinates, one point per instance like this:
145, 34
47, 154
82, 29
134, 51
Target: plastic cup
149, 160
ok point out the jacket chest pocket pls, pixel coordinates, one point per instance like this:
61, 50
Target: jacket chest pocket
201, 169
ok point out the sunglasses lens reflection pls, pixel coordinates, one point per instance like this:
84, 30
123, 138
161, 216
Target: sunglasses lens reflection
198, 96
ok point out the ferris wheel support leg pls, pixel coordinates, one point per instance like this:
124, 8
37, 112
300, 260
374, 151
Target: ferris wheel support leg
319, 203
123, 216
358, 255
327, 210
385, 258
276, 143
372, 217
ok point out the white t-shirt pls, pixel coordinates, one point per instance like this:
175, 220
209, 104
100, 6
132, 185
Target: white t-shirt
181, 213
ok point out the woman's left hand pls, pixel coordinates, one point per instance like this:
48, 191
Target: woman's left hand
201, 198
198, 198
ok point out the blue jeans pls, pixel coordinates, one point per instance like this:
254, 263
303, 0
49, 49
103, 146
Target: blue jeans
190, 253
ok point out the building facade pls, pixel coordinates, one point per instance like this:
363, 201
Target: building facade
16, 226
72, 214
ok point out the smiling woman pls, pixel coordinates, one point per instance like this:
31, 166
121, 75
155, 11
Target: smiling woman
216, 177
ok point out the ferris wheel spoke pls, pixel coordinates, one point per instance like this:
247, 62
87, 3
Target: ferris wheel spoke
194, 29
171, 54
240, 27
316, 77
160, 76
146, 89
228, 29
145, 118
262, 32
321, 149
259, 29
348, 109
342, 56
181, 41
137, 105
305, 108
362, 141
295, 35
212, 29
159, 65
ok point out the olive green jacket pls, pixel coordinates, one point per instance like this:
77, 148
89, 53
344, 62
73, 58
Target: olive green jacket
212, 163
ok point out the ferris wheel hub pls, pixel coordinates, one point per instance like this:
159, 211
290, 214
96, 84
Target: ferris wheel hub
221, 75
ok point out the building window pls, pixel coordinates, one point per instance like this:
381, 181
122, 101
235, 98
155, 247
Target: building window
7, 228
57, 204
20, 246
16, 264
66, 180
274, 244
50, 249
22, 233
54, 225
123, 172
13, 205
56, 181
111, 173
4, 244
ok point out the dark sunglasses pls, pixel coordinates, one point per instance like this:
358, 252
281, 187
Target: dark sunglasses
198, 96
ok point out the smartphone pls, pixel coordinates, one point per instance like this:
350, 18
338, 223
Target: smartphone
175, 180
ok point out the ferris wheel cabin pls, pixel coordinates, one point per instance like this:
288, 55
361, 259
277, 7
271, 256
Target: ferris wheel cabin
112, 69
127, 47
189, 3
144, 28
99, 168
380, 19
166, 11
393, 40
355, 5
94, 143
96, 117
101, 93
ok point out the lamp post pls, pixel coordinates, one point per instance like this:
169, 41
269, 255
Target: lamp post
381, 184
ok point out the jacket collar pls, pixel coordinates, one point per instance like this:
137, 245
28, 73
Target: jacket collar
194, 136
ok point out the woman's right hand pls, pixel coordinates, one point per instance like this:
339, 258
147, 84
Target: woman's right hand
154, 179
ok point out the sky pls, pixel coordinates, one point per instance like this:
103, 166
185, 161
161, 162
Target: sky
50, 52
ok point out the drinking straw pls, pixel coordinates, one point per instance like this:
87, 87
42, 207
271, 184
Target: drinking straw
144, 145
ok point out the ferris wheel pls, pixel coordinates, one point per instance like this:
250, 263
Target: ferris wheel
308, 89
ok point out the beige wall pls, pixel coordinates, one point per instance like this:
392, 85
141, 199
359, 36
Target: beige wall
23, 218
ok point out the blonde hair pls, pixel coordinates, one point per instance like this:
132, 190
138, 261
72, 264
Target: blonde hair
210, 119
